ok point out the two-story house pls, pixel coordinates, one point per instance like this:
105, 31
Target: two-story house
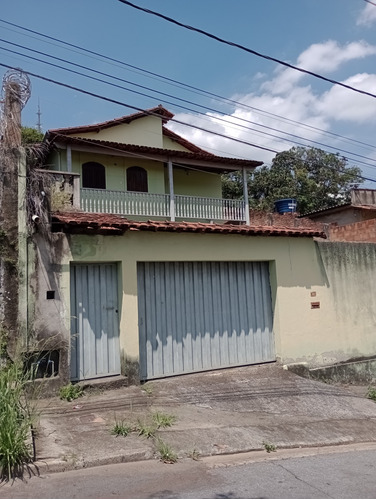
147, 270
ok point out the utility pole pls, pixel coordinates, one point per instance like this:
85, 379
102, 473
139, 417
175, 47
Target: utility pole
16, 90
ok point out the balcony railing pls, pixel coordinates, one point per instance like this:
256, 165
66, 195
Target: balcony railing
159, 205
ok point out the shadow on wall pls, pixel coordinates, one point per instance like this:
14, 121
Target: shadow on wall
351, 270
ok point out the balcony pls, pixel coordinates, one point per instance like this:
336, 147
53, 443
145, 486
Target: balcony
164, 206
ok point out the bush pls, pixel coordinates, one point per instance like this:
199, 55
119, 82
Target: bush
15, 421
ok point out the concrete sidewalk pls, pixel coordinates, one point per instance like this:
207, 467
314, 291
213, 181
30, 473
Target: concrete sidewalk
220, 412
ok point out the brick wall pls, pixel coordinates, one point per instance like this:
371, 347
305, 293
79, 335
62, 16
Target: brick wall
358, 231
287, 220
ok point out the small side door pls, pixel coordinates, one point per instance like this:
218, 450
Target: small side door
95, 348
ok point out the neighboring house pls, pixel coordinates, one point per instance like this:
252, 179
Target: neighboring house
137, 265
354, 221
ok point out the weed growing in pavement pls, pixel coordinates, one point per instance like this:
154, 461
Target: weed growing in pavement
70, 458
148, 428
145, 429
167, 455
70, 392
269, 447
194, 454
121, 429
148, 388
371, 393
163, 419
16, 420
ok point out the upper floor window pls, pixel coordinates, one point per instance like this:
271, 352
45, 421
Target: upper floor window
93, 175
137, 179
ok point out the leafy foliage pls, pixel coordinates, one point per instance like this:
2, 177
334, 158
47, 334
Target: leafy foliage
371, 393
70, 392
315, 178
30, 135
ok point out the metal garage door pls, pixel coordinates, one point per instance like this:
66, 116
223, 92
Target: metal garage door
196, 316
94, 321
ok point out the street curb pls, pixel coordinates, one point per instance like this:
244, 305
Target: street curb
56, 466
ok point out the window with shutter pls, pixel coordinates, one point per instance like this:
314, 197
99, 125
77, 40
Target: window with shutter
137, 179
93, 175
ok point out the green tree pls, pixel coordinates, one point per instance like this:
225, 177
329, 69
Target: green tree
315, 178
30, 135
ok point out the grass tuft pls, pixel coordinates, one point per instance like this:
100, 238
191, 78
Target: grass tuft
146, 430
371, 393
16, 420
121, 429
163, 419
167, 455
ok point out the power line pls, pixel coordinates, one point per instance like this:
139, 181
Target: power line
246, 49
369, 1
190, 88
114, 101
135, 108
174, 97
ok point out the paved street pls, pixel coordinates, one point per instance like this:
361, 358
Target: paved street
335, 472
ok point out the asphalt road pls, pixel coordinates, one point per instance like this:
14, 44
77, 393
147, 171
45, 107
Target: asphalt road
337, 472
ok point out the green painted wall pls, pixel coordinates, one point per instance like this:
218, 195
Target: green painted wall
194, 183
146, 131
186, 181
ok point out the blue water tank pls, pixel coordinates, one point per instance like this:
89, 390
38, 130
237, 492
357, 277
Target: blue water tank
287, 205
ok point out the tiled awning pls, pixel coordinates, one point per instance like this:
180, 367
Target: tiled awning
93, 223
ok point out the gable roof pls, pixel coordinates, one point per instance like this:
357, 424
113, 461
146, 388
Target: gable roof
193, 155
96, 127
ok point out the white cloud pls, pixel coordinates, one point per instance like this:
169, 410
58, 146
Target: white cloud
337, 104
329, 56
319, 58
310, 113
368, 16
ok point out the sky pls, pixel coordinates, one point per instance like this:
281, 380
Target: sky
147, 61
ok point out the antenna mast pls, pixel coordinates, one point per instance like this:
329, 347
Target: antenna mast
39, 124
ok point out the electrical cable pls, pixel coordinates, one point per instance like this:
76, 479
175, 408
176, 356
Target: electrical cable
174, 97
114, 101
192, 88
135, 108
246, 49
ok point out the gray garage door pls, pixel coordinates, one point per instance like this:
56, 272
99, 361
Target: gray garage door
94, 321
196, 316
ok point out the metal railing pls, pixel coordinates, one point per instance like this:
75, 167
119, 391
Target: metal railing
158, 205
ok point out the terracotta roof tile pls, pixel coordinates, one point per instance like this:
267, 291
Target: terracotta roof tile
197, 154
83, 222
158, 110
